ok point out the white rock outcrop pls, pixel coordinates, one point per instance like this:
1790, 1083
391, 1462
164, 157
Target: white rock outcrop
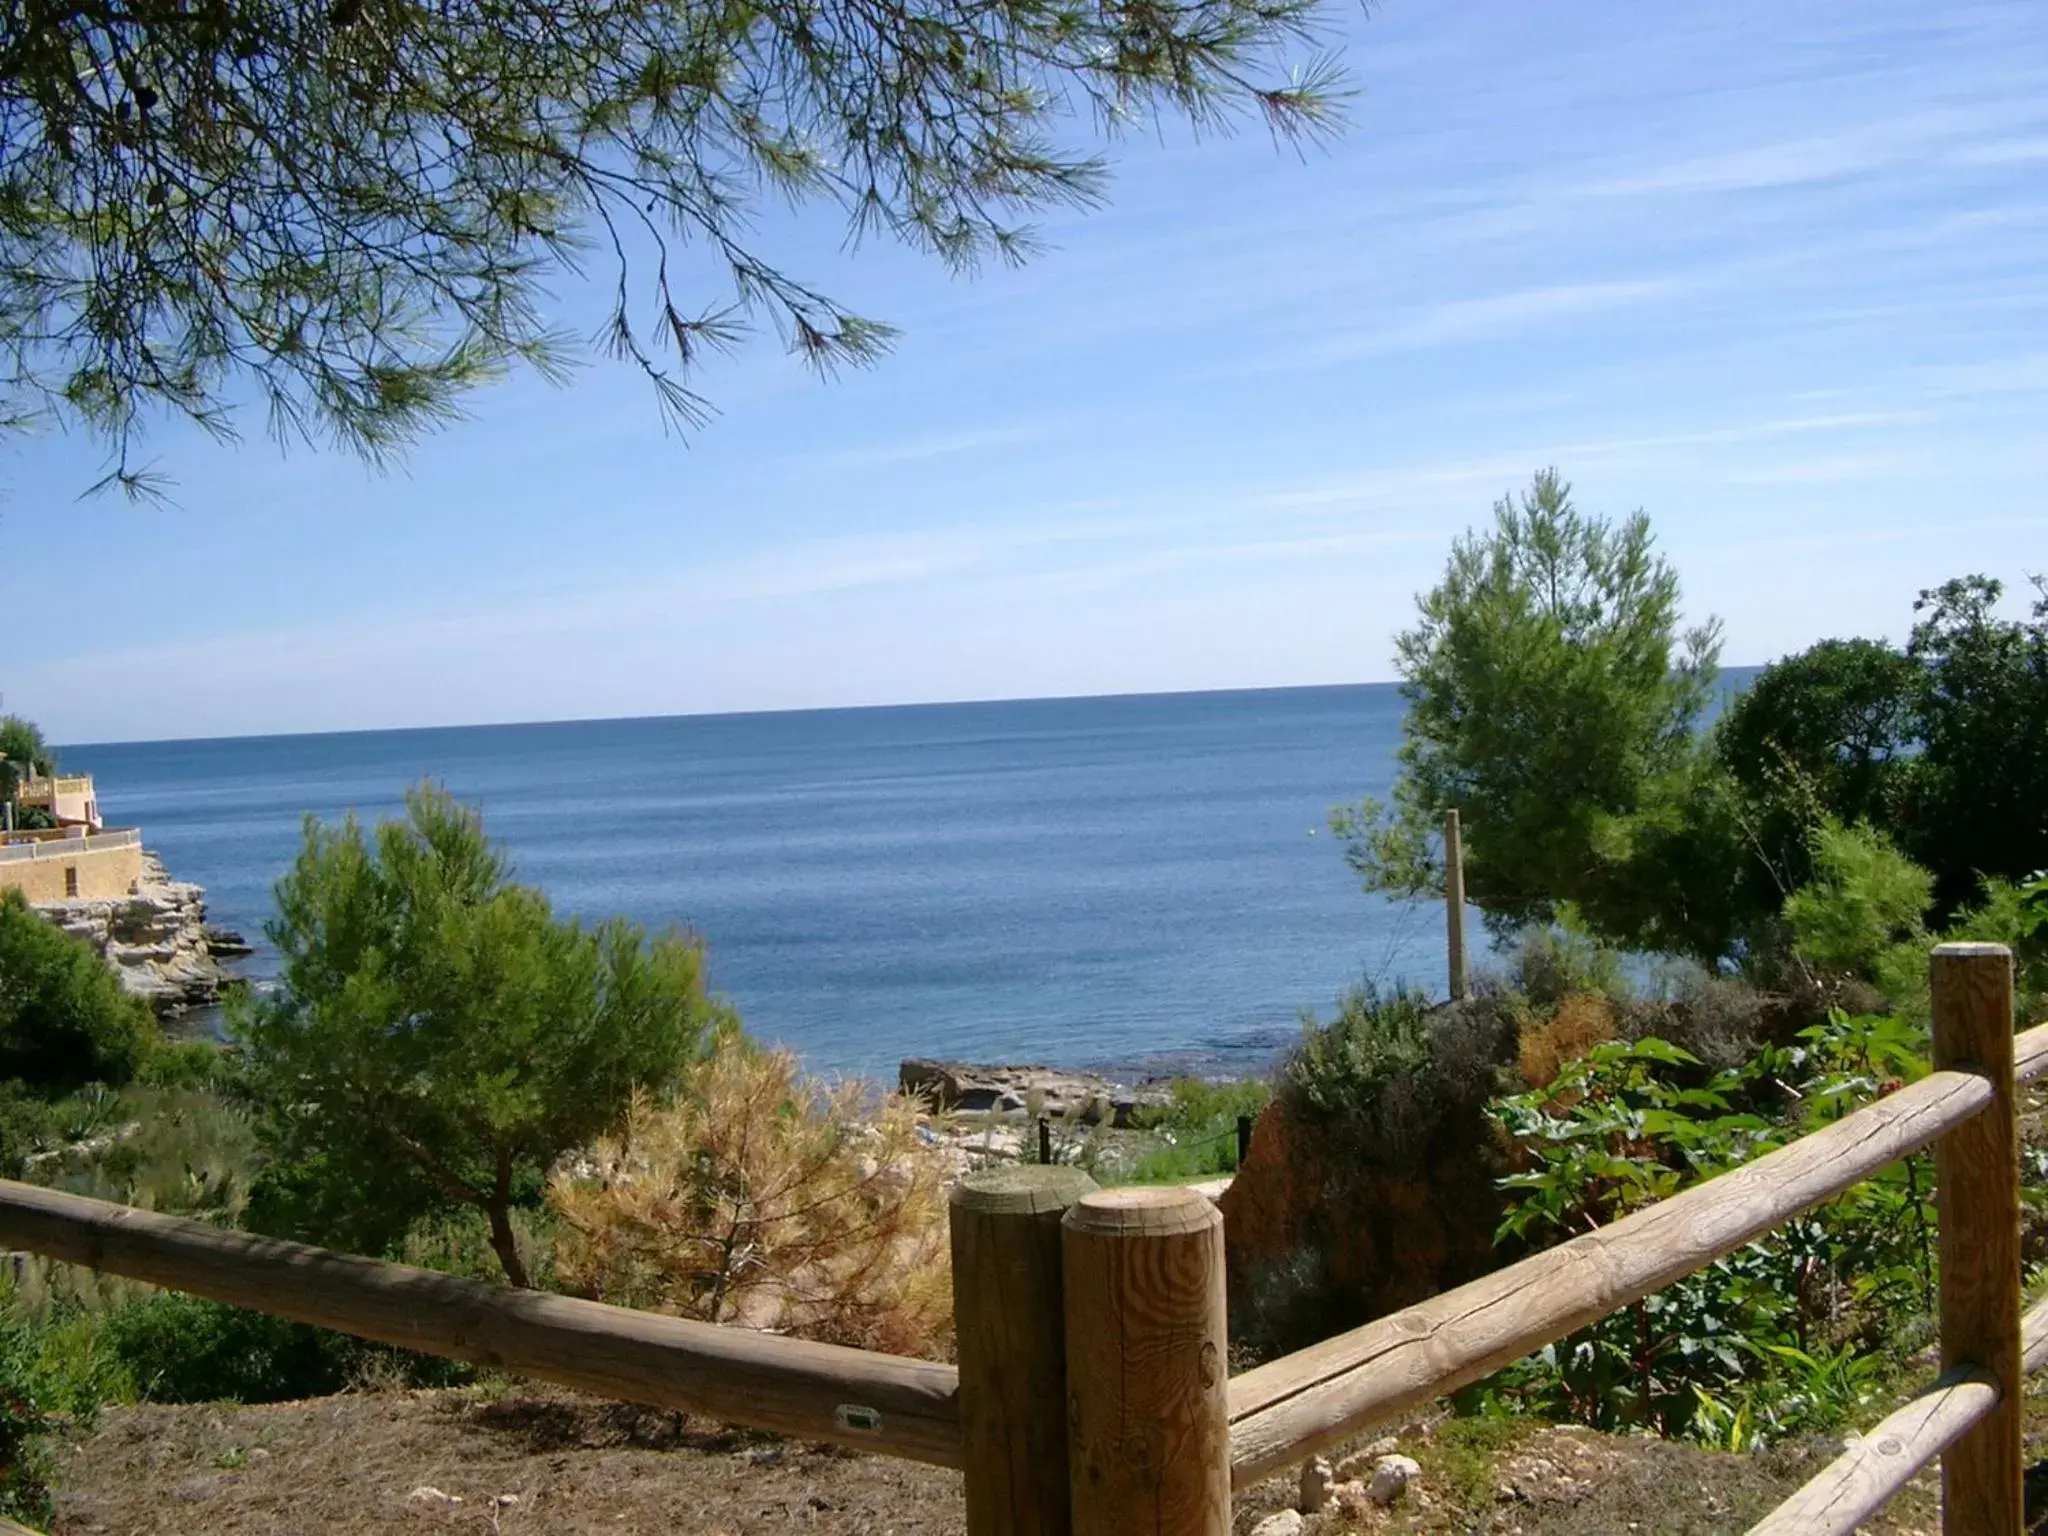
155, 939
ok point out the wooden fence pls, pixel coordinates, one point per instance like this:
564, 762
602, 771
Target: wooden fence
1091, 1394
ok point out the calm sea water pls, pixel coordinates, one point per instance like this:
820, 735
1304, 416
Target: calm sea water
1120, 882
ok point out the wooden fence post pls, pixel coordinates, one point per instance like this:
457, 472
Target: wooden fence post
1147, 1364
1978, 1199
1011, 1333
1454, 901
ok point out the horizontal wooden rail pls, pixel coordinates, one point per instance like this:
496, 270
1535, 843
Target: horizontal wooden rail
2034, 1337
1856, 1484
906, 1408
1852, 1487
2030, 1053
1291, 1408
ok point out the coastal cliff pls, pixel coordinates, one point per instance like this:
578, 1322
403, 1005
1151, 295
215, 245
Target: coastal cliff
156, 939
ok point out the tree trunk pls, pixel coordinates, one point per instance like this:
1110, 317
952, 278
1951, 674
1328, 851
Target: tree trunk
502, 1241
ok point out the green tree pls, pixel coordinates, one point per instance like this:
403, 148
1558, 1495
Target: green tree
438, 1037
1978, 803
1555, 701
1827, 734
349, 209
64, 1020
23, 752
1866, 903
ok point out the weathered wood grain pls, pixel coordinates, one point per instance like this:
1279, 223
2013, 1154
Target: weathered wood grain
1977, 1196
2030, 1053
2034, 1337
1291, 1408
1010, 1323
1856, 1484
906, 1408
1147, 1355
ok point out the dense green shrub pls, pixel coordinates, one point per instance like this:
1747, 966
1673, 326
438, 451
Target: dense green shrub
25, 1423
438, 1037
49, 1373
1865, 916
184, 1349
1392, 1073
1864, 911
198, 1064
1553, 961
1784, 1335
64, 1020
30, 1123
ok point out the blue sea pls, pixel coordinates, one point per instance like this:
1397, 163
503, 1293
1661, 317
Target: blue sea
1126, 883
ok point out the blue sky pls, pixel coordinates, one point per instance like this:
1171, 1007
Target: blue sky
1776, 273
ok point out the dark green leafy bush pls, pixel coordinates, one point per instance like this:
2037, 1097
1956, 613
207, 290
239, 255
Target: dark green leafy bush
1393, 1072
64, 1020
25, 1424
183, 1349
1783, 1336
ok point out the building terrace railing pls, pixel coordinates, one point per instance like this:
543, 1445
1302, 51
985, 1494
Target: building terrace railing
1091, 1396
62, 784
63, 846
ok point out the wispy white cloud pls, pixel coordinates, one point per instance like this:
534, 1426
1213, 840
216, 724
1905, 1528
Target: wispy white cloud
937, 445
1835, 470
1394, 486
1949, 133
2024, 374
1459, 322
2014, 151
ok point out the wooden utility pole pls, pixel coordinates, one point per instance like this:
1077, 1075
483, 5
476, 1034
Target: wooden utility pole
1454, 901
1010, 1325
1147, 1364
1977, 1184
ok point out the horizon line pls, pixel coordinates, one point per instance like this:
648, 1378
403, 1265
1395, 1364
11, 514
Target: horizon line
763, 712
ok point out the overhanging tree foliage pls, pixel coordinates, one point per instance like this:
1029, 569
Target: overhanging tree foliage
351, 206
438, 1037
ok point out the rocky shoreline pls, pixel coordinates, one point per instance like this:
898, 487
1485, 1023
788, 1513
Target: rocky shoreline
1083, 1097
156, 940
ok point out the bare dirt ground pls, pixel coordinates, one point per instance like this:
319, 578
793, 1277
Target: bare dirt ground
525, 1461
